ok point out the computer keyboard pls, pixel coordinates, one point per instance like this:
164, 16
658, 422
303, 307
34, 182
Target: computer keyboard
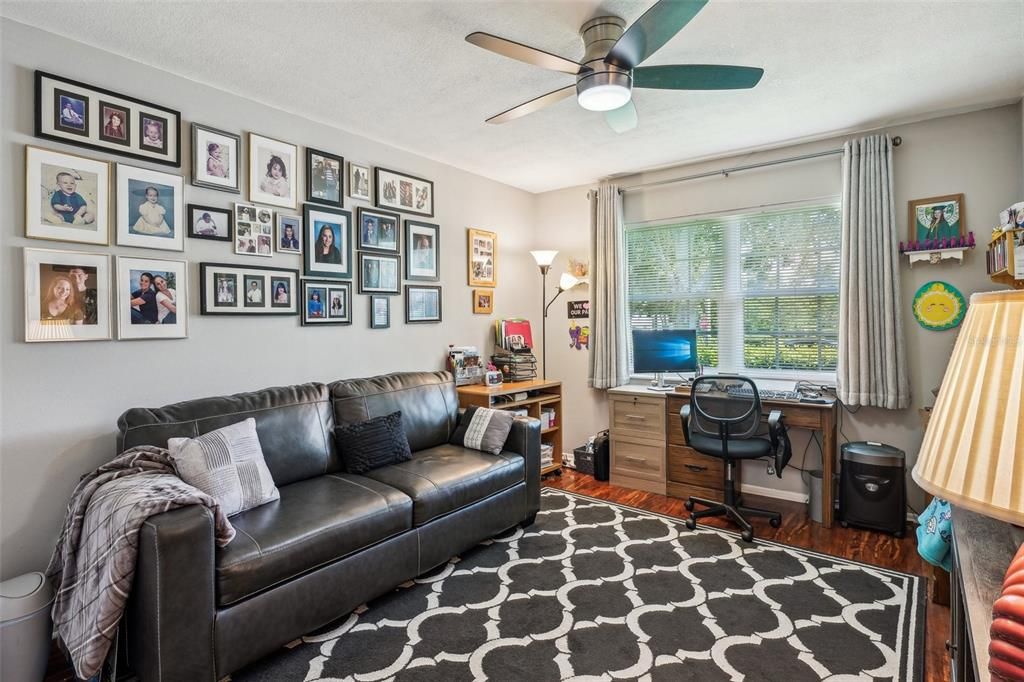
766, 394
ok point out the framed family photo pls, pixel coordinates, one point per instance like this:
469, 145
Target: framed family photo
937, 218
378, 230
402, 192
232, 289
150, 209
289, 233
379, 274
216, 159
326, 302
359, 181
328, 252
209, 222
254, 230
88, 116
67, 197
152, 298
67, 295
422, 251
380, 312
422, 303
324, 177
482, 248
273, 171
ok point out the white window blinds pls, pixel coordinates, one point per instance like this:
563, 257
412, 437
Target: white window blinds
760, 288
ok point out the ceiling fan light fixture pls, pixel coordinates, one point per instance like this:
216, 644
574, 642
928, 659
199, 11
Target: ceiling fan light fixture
604, 90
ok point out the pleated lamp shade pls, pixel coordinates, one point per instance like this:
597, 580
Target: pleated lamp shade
973, 450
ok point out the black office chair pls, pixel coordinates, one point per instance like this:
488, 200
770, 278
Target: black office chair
722, 420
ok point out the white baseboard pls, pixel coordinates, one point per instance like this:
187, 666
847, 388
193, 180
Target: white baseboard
790, 495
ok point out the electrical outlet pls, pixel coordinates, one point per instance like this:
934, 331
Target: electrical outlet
771, 469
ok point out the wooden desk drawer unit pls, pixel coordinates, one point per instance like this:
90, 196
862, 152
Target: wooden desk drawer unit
638, 458
689, 467
644, 417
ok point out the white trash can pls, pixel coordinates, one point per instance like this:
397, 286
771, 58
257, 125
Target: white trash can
25, 627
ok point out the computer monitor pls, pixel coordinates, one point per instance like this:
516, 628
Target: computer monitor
664, 350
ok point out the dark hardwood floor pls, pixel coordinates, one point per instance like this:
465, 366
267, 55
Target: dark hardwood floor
797, 529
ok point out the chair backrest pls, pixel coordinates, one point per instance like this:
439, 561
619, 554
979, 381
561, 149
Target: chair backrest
725, 407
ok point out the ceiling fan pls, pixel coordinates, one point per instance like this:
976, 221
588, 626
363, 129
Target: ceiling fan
610, 67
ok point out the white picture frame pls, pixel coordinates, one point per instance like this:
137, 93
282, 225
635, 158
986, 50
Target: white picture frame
147, 221
163, 310
88, 181
268, 183
84, 322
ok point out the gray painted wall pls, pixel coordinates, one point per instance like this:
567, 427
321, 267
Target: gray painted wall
60, 401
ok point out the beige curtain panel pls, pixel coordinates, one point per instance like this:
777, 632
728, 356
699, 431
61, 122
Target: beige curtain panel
872, 351
609, 366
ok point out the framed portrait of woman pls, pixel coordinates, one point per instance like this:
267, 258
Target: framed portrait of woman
328, 242
273, 171
150, 209
216, 159
67, 296
152, 298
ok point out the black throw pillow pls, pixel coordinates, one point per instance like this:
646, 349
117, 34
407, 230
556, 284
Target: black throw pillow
373, 443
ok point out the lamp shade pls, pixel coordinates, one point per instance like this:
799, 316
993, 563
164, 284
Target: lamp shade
973, 450
544, 258
567, 281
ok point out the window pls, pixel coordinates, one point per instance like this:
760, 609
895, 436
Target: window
760, 288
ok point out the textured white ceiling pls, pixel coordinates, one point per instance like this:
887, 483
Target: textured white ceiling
401, 73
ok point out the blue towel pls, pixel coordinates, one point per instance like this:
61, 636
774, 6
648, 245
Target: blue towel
935, 533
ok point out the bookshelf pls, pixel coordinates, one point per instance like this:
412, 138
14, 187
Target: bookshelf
1003, 261
540, 395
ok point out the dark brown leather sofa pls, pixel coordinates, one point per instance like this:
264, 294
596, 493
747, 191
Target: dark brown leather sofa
333, 540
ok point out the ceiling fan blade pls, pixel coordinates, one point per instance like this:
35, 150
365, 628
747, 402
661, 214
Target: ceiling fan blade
696, 77
652, 30
524, 53
623, 119
533, 105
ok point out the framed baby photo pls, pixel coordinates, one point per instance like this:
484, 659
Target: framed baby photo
152, 298
324, 177
273, 171
209, 222
254, 230
422, 303
67, 197
326, 302
216, 159
380, 312
150, 209
378, 230
379, 274
233, 289
88, 116
359, 181
422, 251
403, 192
483, 301
67, 296
289, 233
482, 249
328, 248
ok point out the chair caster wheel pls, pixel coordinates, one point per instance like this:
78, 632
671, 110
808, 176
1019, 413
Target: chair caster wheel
747, 535
691, 523
775, 523
844, 524
689, 505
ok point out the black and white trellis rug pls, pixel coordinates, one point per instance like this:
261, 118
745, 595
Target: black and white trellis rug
595, 590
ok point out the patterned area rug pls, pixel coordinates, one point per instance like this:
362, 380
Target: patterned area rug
595, 590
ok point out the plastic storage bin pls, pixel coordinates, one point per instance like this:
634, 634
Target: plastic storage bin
25, 627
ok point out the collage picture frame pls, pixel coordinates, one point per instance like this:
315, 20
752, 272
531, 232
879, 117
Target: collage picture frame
240, 289
482, 256
254, 230
403, 192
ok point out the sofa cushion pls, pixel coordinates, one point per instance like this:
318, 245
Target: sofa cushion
448, 477
295, 425
316, 522
427, 401
484, 429
372, 444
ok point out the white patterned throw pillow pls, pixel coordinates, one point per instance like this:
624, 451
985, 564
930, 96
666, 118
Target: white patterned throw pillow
226, 464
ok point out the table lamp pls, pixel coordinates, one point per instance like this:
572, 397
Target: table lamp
565, 282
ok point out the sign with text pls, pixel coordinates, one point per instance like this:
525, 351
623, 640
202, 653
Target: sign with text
579, 309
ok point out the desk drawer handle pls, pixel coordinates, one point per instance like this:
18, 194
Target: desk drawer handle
695, 467
639, 460
638, 417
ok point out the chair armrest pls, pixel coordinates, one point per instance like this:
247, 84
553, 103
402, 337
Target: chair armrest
524, 439
171, 609
684, 417
779, 437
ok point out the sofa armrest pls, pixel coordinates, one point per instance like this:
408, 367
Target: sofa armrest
524, 439
171, 609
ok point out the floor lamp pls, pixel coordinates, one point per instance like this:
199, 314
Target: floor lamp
565, 282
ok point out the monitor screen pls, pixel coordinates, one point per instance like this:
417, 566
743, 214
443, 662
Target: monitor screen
668, 350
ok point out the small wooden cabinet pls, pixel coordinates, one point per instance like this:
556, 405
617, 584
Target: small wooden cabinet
637, 439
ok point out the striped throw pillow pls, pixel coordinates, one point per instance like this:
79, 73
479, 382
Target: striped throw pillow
483, 429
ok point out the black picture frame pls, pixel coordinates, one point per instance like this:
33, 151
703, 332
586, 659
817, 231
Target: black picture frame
313, 268
190, 216
381, 193
310, 197
409, 289
412, 271
48, 128
368, 243
329, 287
365, 257
237, 271
375, 299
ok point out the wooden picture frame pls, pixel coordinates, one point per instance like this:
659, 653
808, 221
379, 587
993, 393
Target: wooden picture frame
947, 221
483, 301
216, 299
481, 257
319, 190
403, 192
422, 303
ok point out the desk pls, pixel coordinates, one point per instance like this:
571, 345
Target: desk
652, 455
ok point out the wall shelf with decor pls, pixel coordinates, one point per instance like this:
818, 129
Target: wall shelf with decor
931, 253
1004, 258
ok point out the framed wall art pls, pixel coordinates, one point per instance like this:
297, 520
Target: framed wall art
209, 222
936, 218
324, 177
422, 303
216, 159
254, 230
273, 171
402, 192
289, 233
483, 301
378, 230
88, 116
326, 302
150, 209
422, 251
328, 252
359, 181
152, 298
233, 289
67, 295
482, 249
380, 312
67, 197
379, 274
